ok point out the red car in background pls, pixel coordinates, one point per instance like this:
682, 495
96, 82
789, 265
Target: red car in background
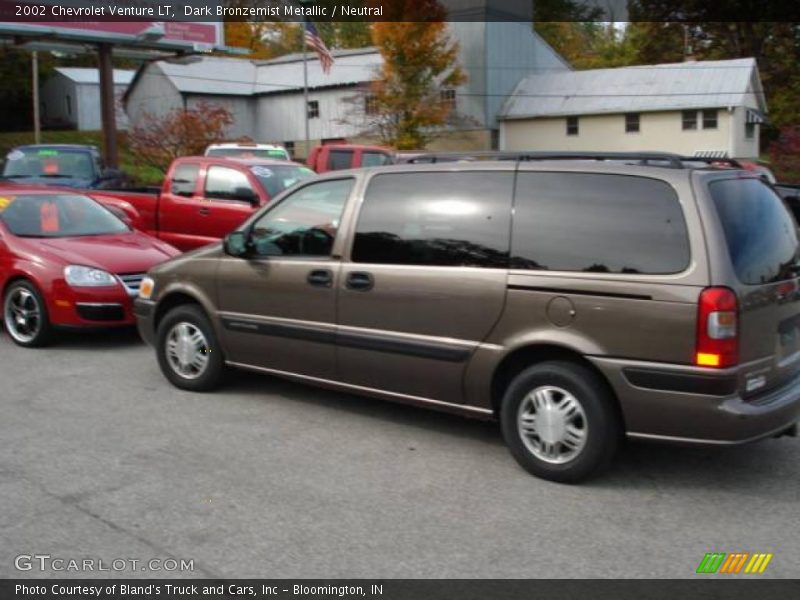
65, 260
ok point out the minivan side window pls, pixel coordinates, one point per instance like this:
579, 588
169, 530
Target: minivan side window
436, 219
760, 232
597, 223
184, 180
304, 223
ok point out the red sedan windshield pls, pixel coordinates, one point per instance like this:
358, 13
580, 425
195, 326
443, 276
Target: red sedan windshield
56, 215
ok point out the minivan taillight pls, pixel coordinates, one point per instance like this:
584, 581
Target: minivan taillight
717, 328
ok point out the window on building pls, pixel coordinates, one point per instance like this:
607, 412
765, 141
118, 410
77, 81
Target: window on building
689, 118
632, 123
436, 219
448, 98
313, 109
370, 105
68, 99
749, 130
289, 148
597, 224
184, 180
710, 118
572, 125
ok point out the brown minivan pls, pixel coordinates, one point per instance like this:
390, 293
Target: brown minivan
576, 301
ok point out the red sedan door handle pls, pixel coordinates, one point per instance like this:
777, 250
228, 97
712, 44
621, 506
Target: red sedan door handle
204, 211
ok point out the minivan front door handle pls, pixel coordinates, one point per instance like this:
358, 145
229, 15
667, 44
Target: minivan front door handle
360, 280
320, 278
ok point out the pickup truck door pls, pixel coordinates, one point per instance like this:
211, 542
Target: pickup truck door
228, 198
278, 303
178, 206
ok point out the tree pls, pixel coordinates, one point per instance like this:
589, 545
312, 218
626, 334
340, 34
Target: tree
250, 35
784, 155
158, 140
406, 108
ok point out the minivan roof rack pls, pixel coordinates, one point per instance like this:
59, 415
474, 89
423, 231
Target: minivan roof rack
663, 159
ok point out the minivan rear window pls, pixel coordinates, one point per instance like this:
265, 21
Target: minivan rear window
760, 232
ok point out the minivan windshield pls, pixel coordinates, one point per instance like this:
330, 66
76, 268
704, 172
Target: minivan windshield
760, 231
57, 215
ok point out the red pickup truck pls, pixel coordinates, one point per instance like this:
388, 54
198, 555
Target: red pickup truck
204, 198
333, 157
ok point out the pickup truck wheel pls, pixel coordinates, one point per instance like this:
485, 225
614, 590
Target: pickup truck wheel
25, 315
559, 421
187, 349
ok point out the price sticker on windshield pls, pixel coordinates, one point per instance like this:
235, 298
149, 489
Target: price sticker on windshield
5, 201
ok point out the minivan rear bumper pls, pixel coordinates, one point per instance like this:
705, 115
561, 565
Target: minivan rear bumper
697, 406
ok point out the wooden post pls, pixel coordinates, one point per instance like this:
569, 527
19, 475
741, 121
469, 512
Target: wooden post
37, 129
107, 108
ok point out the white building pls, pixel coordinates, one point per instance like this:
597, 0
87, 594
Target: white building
71, 98
711, 108
266, 97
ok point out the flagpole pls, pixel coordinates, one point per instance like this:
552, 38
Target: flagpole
305, 90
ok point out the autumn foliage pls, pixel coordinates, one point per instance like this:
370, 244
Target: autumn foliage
419, 61
784, 155
157, 140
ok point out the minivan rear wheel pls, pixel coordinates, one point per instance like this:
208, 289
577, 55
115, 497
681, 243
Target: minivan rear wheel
559, 421
187, 349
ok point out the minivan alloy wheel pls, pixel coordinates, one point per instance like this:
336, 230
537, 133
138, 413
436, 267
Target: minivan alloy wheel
187, 350
552, 424
23, 315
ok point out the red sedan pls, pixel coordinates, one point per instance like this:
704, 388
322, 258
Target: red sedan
65, 260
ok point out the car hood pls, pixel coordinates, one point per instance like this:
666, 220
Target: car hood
131, 252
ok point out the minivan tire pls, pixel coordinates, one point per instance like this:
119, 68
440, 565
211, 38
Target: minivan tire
23, 294
575, 406
189, 332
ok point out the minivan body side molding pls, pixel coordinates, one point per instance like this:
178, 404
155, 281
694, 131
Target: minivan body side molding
378, 342
462, 409
555, 290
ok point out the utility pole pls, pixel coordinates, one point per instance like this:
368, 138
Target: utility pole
107, 108
37, 130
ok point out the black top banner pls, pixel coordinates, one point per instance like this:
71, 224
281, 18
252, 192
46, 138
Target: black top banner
43, 11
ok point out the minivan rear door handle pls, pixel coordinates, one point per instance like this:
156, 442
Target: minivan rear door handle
320, 278
360, 280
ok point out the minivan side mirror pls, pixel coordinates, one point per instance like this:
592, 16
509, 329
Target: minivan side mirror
235, 243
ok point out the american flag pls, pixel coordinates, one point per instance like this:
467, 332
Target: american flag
313, 40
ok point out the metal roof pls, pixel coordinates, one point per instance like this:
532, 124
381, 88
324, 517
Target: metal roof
86, 75
675, 86
241, 77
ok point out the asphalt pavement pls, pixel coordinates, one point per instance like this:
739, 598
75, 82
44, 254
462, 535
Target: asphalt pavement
103, 460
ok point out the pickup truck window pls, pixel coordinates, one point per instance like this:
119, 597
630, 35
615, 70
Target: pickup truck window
277, 178
184, 180
305, 223
340, 159
374, 159
223, 183
436, 219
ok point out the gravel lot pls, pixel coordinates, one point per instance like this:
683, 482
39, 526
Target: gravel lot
102, 458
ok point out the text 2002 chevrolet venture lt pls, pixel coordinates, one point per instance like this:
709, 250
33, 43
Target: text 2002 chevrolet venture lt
575, 301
